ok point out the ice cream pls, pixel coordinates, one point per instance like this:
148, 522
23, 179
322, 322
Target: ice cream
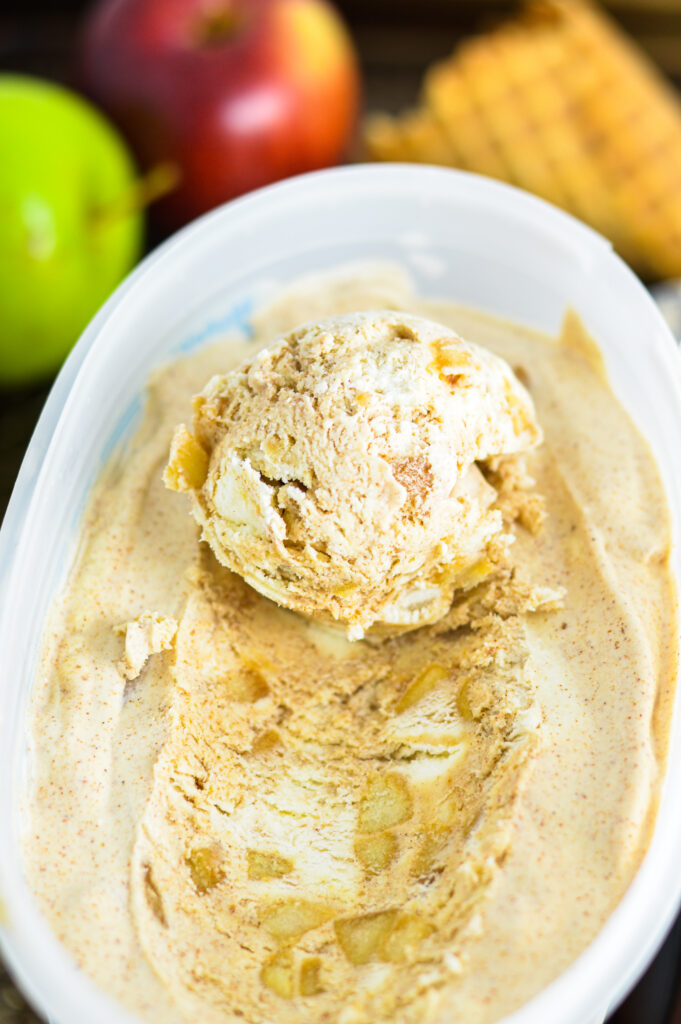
338, 471
238, 815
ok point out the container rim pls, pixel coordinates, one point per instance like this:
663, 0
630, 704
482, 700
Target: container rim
600, 977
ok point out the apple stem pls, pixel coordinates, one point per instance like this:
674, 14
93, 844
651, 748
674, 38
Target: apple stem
157, 182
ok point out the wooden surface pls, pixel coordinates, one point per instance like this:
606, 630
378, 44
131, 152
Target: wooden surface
397, 39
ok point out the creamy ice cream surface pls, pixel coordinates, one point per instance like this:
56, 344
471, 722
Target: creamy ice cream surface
337, 472
239, 814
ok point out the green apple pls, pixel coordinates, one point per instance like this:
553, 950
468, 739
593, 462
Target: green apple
67, 233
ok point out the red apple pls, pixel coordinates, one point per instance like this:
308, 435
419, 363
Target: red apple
236, 93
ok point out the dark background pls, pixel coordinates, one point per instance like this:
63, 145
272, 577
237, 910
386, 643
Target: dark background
396, 40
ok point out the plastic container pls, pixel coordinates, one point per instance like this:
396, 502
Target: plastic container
463, 238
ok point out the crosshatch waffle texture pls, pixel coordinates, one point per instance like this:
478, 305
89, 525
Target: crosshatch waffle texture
560, 102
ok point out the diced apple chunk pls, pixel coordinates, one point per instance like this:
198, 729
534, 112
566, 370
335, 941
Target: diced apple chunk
280, 975
266, 741
375, 852
205, 867
421, 685
310, 981
247, 685
277, 975
346, 589
405, 938
362, 938
267, 865
288, 919
385, 802
388, 936
187, 467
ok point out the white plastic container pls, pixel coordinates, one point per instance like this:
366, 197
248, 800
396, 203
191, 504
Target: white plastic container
462, 238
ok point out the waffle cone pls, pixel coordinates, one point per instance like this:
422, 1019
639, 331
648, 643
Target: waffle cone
558, 101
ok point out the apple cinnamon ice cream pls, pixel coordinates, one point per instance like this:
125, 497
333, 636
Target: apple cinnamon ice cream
238, 813
337, 471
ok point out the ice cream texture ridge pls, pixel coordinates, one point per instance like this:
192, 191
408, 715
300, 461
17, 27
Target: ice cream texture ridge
367, 724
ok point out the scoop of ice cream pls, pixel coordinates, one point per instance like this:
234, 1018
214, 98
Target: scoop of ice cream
337, 471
